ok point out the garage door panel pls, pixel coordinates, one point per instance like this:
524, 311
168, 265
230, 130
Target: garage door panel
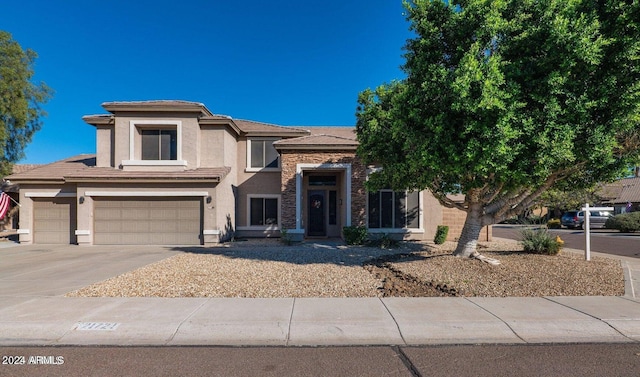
164, 221
108, 227
135, 214
54, 220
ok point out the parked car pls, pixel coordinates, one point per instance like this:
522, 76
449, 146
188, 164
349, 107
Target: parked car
575, 219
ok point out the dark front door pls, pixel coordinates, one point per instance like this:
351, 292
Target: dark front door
316, 214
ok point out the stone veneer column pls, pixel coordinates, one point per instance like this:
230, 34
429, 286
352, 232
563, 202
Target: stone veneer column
291, 158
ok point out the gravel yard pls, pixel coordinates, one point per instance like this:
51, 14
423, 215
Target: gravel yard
269, 269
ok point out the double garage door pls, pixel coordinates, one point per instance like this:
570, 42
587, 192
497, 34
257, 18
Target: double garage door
147, 221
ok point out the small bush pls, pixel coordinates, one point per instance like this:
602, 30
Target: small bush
554, 224
383, 241
624, 222
539, 241
355, 235
533, 220
285, 237
441, 234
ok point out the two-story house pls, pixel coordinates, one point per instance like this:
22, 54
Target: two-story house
174, 173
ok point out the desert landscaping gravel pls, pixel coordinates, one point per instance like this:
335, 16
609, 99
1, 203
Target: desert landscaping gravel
269, 269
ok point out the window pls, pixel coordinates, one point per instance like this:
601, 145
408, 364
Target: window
155, 142
263, 211
261, 154
333, 207
159, 144
389, 209
322, 180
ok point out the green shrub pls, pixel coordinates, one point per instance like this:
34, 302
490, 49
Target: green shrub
441, 234
355, 235
554, 224
285, 237
383, 241
533, 220
624, 222
539, 241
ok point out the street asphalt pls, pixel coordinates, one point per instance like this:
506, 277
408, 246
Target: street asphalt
34, 311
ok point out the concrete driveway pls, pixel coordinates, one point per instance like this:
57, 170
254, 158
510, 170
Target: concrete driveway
54, 270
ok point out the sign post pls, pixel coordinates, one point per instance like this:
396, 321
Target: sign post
587, 226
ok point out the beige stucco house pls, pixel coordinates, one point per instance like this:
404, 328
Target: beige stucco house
174, 173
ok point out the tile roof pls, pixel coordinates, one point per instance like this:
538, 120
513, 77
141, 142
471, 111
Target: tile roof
323, 137
344, 132
319, 141
249, 126
21, 168
623, 191
106, 173
156, 105
82, 168
55, 171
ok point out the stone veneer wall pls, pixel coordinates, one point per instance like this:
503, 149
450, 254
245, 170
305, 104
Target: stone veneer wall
455, 218
289, 160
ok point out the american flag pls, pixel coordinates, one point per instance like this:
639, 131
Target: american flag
5, 203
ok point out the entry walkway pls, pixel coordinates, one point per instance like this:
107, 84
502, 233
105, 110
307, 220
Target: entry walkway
29, 318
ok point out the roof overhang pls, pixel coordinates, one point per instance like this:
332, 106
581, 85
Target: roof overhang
143, 180
37, 181
157, 106
99, 120
220, 121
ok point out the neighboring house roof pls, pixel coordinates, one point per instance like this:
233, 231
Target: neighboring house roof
622, 191
82, 168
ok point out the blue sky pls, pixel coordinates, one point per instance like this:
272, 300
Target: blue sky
279, 61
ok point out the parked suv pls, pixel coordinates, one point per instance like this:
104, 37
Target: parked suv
575, 219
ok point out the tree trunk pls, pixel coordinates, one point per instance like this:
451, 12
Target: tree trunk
468, 241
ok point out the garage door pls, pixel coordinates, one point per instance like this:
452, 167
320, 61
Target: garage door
147, 221
54, 220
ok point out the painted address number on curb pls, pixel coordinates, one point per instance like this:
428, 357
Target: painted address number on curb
97, 326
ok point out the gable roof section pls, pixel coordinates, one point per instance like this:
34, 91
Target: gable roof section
82, 168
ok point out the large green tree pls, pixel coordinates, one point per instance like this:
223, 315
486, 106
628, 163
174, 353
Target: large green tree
20, 101
505, 99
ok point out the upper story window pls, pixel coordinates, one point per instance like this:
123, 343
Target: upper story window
159, 144
155, 142
262, 155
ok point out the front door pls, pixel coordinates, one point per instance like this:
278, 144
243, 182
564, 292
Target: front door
316, 214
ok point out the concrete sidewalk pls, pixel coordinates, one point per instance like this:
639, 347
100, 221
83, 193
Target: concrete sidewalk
316, 321
56, 320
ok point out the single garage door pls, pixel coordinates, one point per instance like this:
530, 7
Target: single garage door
147, 221
54, 220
